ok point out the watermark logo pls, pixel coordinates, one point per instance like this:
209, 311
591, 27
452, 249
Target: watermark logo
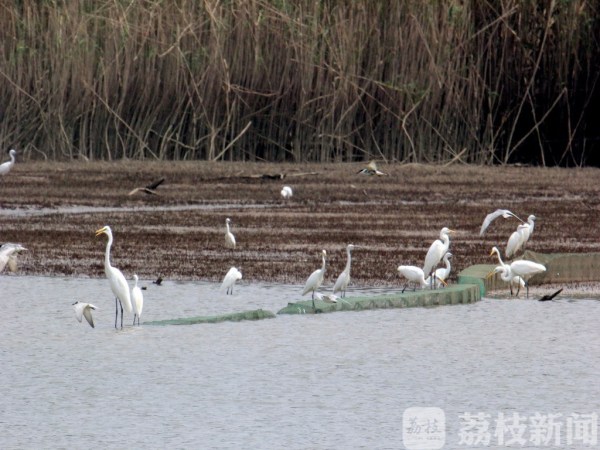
423, 428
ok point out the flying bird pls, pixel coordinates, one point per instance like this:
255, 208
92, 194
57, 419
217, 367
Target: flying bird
371, 169
315, 279
137, 300
437, 250
492, 216
286, 192
8, 165
231, 277
8, 255
84, 310
118, 283
344, 278
229, 237
149, 189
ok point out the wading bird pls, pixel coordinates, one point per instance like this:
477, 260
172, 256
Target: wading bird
492, 216
415, 275
137, 299
118, 283
521, 268
442, 274
231, 277
437, 250
286, 192
229, 237
344, 278
528, 230
8, 255
315, 279
8, 165
84, 310
371, 169
515, 241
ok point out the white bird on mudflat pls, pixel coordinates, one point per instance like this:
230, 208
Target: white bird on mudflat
492, 216
229, 237
515, 241
8, 165
442, 274
84, 310
8, 255
137, 300
415, 275
344, 278
315, 279
231, 277
521, 268
437, 250
286, 192
118, 283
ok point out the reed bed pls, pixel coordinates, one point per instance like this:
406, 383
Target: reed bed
304, 81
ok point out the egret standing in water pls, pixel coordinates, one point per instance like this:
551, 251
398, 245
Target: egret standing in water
84, 310
521, 268
8, 255
118, 283
315, 279
231, 277
344, 278
137, 298
437, 250
8, 165
229, 237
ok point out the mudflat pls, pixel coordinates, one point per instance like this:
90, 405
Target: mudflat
53, 209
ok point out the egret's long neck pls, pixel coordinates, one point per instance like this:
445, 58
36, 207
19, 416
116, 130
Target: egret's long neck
447, 260
107, 253
347, 269
499, 259
506, 274
227, 226
323, 266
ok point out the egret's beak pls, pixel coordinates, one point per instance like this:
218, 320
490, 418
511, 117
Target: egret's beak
452, 231
490, 275
442, 281
492, 253
99, 232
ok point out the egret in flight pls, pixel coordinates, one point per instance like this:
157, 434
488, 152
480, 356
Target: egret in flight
437, 250
315, 279
344, 278
8, 255
137, 299
118, 283
8, 165
286, 192
521, 268
492, 216
84, 310
229, 237
231, 277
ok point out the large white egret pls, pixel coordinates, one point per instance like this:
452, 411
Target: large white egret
522, 268
442, 274
231, 277
315, 279
8, 165
84, 310
137, 299
528, 230
515, 241
492, 216
8, 255
344, 278
415, 275
286, 192
118, 283
229, 237
437, 250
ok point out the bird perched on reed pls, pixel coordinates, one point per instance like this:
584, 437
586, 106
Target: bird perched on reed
8, 165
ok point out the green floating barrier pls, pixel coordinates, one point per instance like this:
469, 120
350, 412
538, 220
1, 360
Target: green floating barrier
257, 314
450, 295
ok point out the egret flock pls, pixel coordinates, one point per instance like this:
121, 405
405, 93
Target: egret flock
517, 273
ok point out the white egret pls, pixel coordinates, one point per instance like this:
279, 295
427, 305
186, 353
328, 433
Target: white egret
515, 241
118, 283
286, 192
84, 310
231, 277
521, 268
492, 216
528, 230
437, 250
371, 169
415, 275
8, 255
315, 279
344, 278
137, 299
442, 274
8, 165
229, 237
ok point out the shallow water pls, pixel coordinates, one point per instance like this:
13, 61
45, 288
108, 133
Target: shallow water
340, 380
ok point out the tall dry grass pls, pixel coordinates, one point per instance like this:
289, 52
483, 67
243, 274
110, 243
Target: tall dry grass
471, 81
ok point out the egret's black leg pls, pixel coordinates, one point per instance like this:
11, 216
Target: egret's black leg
116, 312
121, 313
404, 288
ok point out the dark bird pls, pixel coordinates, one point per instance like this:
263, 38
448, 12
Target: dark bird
545, 298
371, 169
158, 281
149, 189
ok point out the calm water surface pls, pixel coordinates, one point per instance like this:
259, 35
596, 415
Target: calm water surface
338, 380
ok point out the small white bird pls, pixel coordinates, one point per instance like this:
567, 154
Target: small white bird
84, 310
371, 169
442, 274
229, 237
344, 278
137, 300
492, 216
515, 241
413, 274
8, 255
8, 165
286, 192
315, 279
231, 277
437, 250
